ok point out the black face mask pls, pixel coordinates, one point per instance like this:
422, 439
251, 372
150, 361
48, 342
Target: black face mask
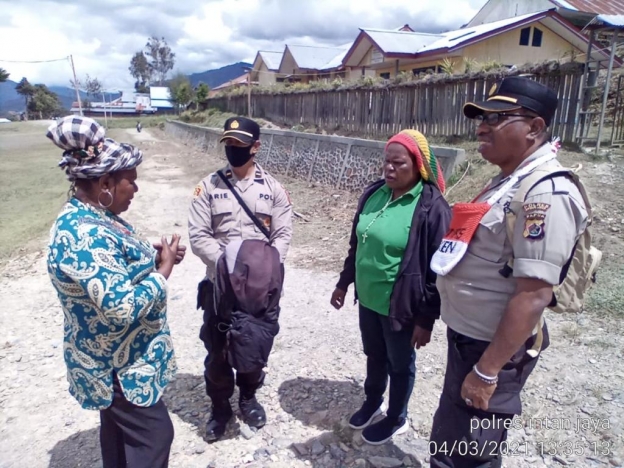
238, 156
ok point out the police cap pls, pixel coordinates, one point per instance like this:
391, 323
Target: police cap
513, 93
242, 129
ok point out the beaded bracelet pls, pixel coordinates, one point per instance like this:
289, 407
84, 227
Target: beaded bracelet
485, 378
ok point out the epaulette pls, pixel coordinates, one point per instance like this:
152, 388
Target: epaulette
258, 179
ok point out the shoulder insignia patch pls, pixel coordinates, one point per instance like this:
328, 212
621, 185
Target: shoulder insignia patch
197, 191
530, 207
534, 226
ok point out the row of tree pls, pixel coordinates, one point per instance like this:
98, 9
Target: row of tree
183, 94
152, 64
39, 100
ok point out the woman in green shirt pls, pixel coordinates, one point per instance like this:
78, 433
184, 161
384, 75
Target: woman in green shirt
398, 226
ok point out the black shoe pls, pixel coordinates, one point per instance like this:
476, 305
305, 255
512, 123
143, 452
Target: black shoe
365, 415
221, 415
382, 431
252, 411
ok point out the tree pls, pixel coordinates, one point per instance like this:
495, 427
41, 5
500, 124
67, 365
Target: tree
4, 75
140, 71
201, 94
160, 59
25, 89
93, 87
45, 102
181, 91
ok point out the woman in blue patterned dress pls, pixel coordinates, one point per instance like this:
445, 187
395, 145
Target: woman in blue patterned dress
113, 292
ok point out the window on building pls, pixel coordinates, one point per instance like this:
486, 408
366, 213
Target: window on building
385, 76
524, 36
537, 38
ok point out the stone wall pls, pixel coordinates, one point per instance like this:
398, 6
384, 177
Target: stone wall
340, 162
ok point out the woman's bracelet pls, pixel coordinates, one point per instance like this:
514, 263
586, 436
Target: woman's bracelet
485, 378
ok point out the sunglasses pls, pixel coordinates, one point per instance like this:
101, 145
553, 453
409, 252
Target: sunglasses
495, 118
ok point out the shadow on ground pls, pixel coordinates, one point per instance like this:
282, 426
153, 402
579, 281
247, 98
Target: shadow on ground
186, 398
80, 450
327, 405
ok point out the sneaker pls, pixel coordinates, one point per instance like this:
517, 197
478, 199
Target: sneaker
365, 415
382, 431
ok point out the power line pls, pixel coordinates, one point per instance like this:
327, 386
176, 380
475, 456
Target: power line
34, 61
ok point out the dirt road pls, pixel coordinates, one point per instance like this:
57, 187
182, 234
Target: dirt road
316, 370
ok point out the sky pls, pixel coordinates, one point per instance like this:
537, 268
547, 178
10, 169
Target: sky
102, 35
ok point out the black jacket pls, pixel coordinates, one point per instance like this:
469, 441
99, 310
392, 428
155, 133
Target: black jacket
415, 299
247, 289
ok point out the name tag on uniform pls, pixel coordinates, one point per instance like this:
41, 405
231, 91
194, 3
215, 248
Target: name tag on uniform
218, 196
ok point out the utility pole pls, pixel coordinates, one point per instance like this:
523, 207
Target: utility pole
249, 93
105, 120
71, 59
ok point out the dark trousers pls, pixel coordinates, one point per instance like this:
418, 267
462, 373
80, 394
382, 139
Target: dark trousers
135, 436
464, 437
388, 354
218, 373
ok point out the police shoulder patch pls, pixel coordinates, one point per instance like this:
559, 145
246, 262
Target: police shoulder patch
530, 207
534, 226
197, 191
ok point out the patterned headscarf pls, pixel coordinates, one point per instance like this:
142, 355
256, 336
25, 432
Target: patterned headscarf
426, 161
88, 155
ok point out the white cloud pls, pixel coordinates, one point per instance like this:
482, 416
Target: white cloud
102, 35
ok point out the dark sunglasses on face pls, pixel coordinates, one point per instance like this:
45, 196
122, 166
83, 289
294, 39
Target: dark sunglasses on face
496, 117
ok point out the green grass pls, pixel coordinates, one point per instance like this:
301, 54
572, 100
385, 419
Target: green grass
130, 122
32, 187
209, 118
606, 296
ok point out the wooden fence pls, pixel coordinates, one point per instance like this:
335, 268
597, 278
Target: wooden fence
433, 108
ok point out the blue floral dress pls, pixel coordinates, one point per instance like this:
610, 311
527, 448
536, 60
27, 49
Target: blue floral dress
115, 307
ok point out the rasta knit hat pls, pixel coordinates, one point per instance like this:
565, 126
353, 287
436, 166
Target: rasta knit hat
426, 162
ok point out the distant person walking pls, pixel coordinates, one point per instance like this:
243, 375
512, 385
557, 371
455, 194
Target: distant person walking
398, 225
112, 288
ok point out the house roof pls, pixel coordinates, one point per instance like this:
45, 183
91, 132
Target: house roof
317, 58
599, 7
236, 81
461, 37
401, 42
616, 21
394, 44
271, 59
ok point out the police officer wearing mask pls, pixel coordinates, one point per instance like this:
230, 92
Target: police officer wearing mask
216, 218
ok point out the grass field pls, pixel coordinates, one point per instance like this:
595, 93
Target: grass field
32, 187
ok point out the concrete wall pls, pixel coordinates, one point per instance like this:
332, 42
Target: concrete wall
340, 162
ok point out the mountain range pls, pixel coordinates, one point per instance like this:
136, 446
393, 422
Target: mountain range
11, 101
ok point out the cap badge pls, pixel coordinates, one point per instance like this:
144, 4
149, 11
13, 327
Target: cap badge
234, 124
493, 89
